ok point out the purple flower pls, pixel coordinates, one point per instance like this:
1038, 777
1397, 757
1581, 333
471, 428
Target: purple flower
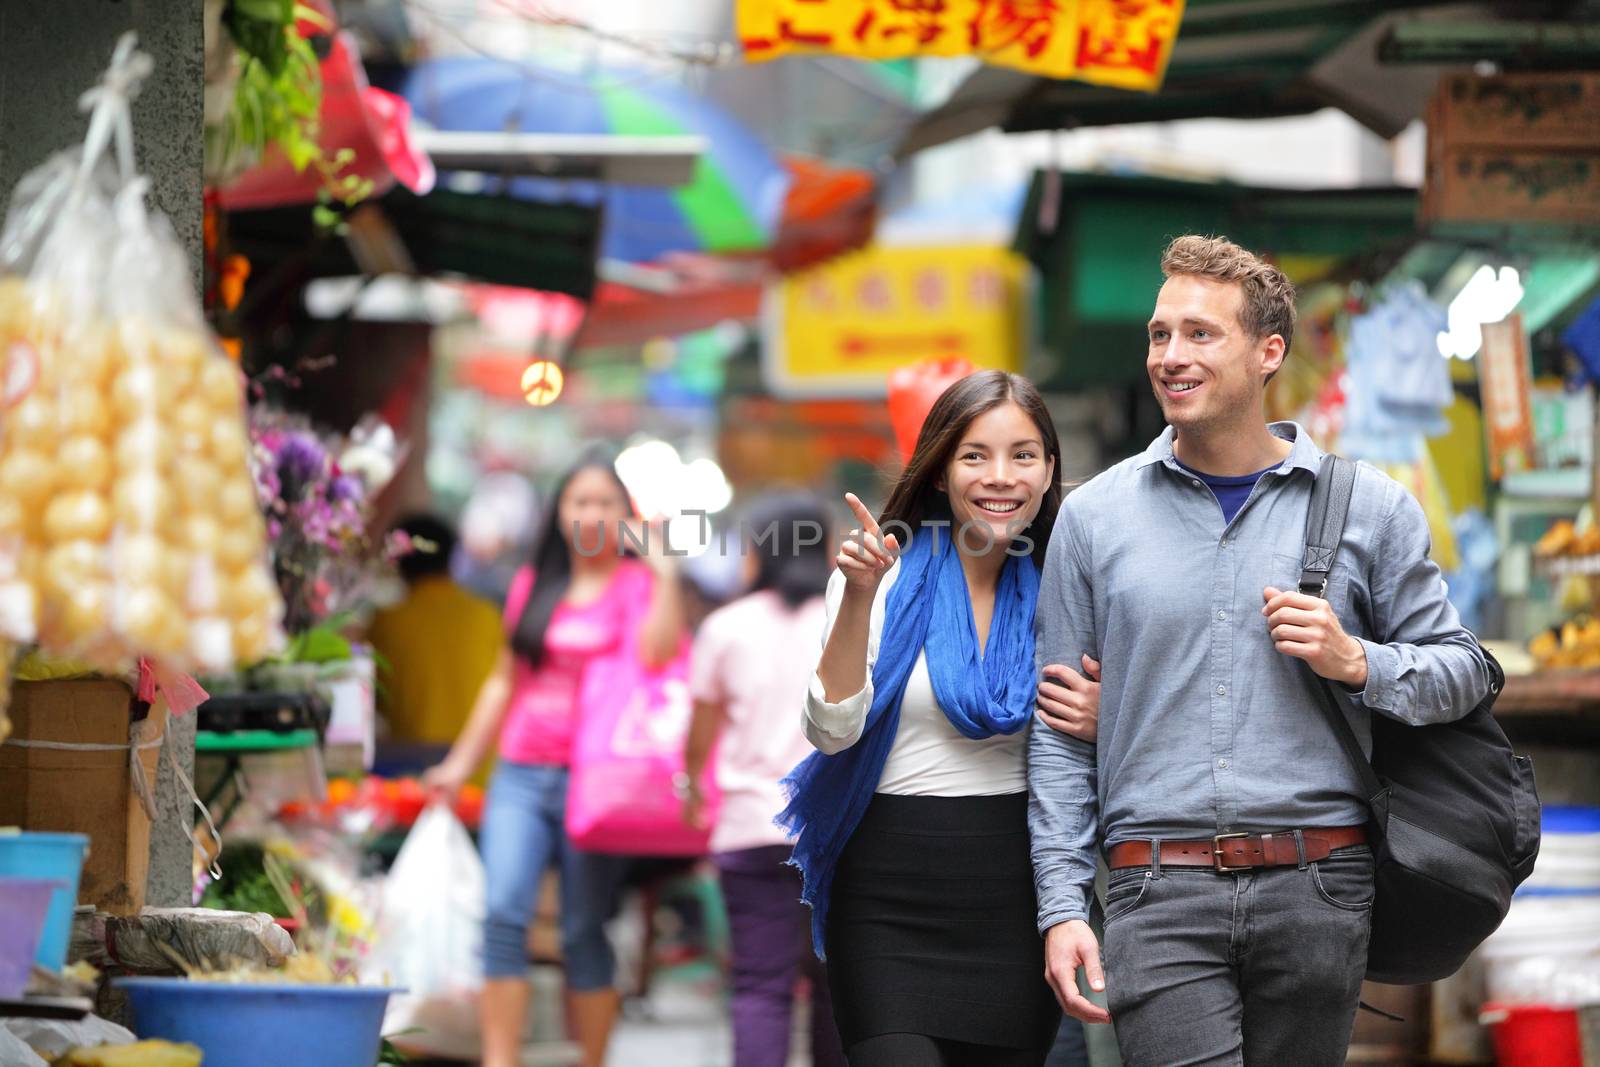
301, 461
346, 488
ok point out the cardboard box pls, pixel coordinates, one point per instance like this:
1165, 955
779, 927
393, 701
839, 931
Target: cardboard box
85, 791
1512, 185
1530, 110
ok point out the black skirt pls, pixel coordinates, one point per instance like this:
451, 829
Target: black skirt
932, 926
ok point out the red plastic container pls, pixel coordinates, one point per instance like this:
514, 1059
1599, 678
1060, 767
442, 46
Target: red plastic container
1533, 1035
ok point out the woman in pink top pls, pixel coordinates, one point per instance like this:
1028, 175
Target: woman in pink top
751, 659
578, 599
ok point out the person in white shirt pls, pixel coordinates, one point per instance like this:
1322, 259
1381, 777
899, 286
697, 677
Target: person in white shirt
912, 816
749, 661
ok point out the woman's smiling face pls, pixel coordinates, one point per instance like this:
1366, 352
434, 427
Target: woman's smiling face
998, 475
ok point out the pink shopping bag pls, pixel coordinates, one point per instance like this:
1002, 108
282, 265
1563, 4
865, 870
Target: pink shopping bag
627, 753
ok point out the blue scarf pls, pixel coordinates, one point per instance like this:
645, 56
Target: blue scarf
928, 609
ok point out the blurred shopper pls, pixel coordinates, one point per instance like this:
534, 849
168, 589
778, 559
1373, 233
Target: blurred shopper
1239, 905
575, 601
497, 526
751, 661
436, 646
912, 816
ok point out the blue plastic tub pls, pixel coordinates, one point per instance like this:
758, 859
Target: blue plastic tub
24, 902
53, 858
262, 1025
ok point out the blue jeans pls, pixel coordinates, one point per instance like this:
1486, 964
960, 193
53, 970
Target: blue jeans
523, 835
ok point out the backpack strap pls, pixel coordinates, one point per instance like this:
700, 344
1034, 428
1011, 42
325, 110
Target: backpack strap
1330, 507
1325, 522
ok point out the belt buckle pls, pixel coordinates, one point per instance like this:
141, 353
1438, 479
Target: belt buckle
1216, 853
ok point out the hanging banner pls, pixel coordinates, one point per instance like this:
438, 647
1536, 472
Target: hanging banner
1503, 375
1122, 43
838, 330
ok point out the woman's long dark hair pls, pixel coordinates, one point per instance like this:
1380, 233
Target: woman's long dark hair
916, 496
552, 561
794, 567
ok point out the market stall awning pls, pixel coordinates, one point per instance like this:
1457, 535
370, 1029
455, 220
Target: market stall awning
1233, 59
659, 161
1098, 252
733, 202
498, 239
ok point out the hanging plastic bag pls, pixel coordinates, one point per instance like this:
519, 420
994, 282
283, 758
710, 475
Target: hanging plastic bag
429, 938
129, 524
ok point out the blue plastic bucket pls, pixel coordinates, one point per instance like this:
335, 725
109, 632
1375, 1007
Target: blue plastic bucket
262, 1025
24, 902
53, 858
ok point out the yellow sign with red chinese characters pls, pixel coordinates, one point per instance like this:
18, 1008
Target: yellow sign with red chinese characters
838, 330
1123, 43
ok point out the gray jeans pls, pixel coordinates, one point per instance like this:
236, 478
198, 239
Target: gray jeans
1261, 968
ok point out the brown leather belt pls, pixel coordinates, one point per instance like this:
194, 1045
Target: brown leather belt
1240, 852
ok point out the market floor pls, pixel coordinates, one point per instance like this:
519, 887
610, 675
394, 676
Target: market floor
683, 1025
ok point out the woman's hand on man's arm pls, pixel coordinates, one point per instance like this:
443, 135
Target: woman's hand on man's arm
1069, 701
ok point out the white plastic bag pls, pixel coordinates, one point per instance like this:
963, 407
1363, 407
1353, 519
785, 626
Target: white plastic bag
430, 938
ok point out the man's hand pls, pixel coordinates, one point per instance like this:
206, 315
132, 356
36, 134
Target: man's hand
1306, 627
1069, 702
1067, 946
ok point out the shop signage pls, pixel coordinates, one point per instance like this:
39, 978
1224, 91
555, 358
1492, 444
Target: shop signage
1507, 411
1123, 43
839, 329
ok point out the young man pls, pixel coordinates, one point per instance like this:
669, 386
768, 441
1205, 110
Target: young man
1237, 913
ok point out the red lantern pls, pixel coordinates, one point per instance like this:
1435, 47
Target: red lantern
912, 391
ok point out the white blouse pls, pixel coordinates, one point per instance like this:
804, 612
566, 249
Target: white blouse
930, 757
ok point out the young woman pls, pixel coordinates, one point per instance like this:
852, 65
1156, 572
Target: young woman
578, 599
912, 816
750, 659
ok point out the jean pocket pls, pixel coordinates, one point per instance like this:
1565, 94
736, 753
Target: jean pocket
1345, 880
1124, 893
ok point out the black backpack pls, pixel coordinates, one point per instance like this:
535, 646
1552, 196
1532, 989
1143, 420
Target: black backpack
1455, 815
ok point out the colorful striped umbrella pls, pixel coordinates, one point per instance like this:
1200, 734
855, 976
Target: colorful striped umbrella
733, 204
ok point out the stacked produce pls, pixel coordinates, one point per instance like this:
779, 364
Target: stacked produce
128, 518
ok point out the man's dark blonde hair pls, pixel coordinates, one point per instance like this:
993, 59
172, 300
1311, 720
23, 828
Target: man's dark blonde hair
1268, 295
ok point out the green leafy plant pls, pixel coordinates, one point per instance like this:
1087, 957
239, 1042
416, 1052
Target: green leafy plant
278, 98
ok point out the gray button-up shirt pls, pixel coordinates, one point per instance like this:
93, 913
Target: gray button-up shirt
1205, 728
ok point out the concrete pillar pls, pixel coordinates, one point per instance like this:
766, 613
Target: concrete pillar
53, 50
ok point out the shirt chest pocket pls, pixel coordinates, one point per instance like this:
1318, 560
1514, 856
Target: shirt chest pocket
1286, 576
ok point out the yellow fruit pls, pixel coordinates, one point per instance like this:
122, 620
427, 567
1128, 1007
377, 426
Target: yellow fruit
238, 546
182, 355
236, 501
229, 447
219, 384
141, 558
190, 422
196, 482
79, 516
85, 411
201, 535
149, 620
15, 520
143, 445
85, 613
142, 502
33, 423
254, 639
87, 361
72, 563
139, 390
250, 592
84, 463
28, 477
